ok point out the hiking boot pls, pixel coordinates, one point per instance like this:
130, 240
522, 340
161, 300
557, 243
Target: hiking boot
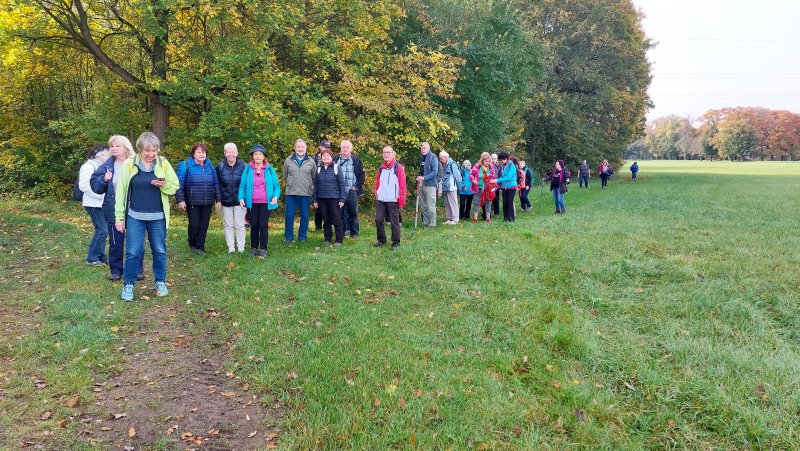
139, 277
253, 252
262, 253
337, 245
161, 289
395, 245
288, 241
377, 244
115, 277
127, 292
474, 220
326, 243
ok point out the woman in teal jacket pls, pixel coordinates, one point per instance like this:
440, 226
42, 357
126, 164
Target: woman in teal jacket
508, 185
258, 192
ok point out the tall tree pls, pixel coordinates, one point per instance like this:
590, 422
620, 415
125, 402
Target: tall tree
591, 101
671, 137
737, 139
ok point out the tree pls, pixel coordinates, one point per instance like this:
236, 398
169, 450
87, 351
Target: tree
737, 139
671, 137
591, 100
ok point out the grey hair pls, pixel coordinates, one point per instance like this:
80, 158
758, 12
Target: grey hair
230, 145
148, 140
299, 140
444, 154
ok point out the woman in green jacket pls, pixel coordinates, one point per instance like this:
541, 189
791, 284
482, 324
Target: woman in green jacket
142, 206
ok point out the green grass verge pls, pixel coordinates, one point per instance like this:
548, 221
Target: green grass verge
662, 313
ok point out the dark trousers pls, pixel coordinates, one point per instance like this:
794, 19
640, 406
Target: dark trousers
508, 204
199, 215
116, 251
464, 205
387, 211
524, 202
259, 226
350, 214
583, 181
604, 179
331, 216
496, 205
317, 220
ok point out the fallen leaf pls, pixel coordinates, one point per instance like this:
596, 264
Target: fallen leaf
350, 382
186, 435
639, 290
291, 376
391, 389
105, 428
230, 266
576, 382
549, 368
247, 417
252, 434
46, 415
132, 432
117, 416
377, 402
671, 423
556, 384
72, 402
629, 386
213, 432
228, 394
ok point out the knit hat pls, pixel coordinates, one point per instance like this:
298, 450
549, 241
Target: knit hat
258, 148
467, 163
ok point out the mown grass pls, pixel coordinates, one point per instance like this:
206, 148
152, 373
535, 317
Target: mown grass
662, 313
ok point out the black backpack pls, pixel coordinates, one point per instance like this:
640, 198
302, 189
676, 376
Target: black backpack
77, 194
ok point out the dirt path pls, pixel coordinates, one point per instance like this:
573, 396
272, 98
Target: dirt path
177, 394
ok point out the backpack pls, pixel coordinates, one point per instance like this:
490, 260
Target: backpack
456, 174
77, 194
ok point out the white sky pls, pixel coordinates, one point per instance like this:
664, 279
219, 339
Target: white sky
723, 53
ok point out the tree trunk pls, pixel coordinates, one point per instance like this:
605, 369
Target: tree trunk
160, 120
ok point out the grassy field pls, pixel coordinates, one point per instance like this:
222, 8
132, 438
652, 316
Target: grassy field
658, 314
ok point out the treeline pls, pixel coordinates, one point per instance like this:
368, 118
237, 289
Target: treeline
728, 133
545, 79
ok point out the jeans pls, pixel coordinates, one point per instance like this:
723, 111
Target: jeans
199, 215
350, 214
293, 202
134, 248
331, 216
508, 204
259, 226
524, 202
427, 204
387, 211
633, 176
116, 243
233, 225
558, 198
464, 205
583, 180
97, 245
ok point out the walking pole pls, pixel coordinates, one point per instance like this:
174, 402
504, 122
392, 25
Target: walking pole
416, 210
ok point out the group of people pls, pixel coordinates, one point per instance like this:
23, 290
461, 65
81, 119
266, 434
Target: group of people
126, 195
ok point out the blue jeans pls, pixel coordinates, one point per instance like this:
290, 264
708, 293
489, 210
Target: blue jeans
97, 246
294, 202
558, 198
350, 214
116, 248
134, 248
584, 180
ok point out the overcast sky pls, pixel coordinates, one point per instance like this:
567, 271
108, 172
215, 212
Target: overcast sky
716, 54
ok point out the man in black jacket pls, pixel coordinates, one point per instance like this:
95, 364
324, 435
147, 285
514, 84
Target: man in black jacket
353, 171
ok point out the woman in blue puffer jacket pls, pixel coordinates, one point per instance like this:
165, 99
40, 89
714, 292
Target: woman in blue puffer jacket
329, 196
198, 193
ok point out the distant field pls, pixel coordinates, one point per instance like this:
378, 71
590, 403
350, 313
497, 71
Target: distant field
658, 314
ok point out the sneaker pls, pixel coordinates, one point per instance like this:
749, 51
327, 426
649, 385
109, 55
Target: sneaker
488, 220
474, 220
326, 243
95, 263
127, 292
139, 277
377, 244
161, 289
288, 241
115, 277
253, 252
337, 245
199, 251
262, 253
395, 245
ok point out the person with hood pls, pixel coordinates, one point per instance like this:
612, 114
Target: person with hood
259, 191
559, 179
329, 196
142, 207
465, 193
634, 170
298, 175
229, 173
105, 181
390, 196
93, 203
606, 171
508, 185
198, 194
484, 186
451, 179
525, 187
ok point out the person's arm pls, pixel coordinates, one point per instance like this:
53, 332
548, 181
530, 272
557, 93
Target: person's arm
172, 184
240, 194
97, 182
508, 176
180, 194
401, 181
360, 175
121, 198
276, 187
433, 174
217, 190
342, 188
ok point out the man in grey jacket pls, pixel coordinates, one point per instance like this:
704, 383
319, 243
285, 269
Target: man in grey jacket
298, 176
426, 184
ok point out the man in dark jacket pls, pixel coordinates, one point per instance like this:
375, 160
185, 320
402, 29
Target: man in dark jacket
229, 173
353, 171
427, 182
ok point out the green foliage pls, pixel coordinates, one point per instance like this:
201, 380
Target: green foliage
736, 139
671, 138
591, 101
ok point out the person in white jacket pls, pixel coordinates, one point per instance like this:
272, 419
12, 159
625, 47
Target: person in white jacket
93, 203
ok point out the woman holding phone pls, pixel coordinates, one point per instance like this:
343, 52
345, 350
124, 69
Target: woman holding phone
142, 206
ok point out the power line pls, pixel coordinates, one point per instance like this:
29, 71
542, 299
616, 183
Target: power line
771, 41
